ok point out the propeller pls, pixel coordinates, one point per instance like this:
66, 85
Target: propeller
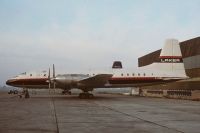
52, 79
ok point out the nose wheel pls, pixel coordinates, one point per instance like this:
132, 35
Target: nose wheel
25, 93
86, 95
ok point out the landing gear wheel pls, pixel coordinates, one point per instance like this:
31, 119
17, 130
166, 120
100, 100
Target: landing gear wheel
81, 96
66, 92
86, 95
90, 95
27, 94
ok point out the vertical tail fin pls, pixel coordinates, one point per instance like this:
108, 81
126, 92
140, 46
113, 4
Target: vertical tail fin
170, 59
117, 65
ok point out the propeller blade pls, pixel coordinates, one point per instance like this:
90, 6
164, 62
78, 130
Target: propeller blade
49, 78
54, 76
53, 71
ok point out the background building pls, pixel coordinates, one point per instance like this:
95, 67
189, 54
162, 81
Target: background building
191, 57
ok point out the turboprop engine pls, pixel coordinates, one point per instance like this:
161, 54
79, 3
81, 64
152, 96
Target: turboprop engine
66, 81
69, 79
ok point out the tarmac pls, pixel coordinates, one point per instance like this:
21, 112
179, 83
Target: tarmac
107, 113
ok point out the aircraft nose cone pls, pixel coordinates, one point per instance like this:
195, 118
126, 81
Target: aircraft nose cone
8, 82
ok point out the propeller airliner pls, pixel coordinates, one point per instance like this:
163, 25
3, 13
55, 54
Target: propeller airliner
169, 68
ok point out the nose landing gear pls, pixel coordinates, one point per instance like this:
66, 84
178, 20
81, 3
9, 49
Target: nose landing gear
25, 93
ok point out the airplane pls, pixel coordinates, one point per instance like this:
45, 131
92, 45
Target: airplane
169, 68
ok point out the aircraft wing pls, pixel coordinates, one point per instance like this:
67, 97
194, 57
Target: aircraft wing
195, 79
96, 80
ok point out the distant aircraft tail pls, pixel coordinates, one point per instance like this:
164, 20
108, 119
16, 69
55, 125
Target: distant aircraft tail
170, 59
117, 65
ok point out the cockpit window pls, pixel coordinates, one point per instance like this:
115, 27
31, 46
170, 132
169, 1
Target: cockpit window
23, 73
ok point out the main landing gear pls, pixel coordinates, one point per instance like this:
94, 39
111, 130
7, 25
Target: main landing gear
86, 95
66, 92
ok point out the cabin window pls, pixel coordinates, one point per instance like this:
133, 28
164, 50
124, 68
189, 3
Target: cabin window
30, 74
144, 74
138, 74
133, 74
122, 74
127, 74
152, 74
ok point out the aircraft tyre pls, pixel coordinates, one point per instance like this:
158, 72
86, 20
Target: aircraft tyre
66, 92
85, 95
91, 95
27, 94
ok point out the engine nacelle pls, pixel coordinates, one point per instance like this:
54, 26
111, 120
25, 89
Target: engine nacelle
69, 80
63, 79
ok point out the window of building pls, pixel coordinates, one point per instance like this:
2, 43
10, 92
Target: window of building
138, 74
133, 74
144, 74
127, 74
122, 74
30, 74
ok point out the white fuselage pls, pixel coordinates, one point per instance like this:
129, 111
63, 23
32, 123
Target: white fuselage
120, 78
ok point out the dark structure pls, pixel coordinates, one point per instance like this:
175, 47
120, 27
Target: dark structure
191, 57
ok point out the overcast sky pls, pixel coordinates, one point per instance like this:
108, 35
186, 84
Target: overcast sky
87, 34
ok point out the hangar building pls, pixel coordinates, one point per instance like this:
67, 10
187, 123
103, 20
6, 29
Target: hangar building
187, 90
